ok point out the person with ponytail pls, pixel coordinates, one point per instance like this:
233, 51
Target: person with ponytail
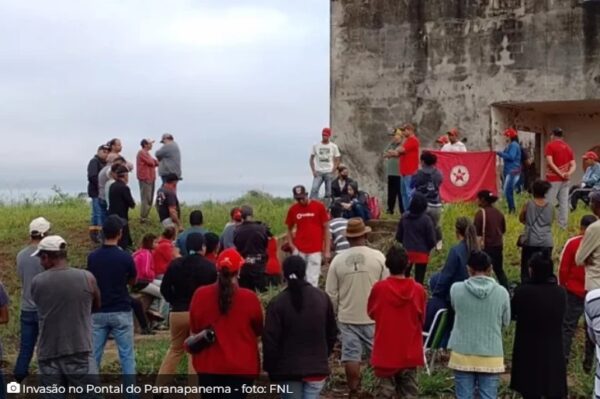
183, 277
454, 270
300, 332
235, 315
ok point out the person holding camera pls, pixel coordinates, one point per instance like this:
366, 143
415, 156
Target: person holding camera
233, 317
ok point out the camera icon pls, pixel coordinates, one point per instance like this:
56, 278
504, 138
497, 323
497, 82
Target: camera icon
13, 387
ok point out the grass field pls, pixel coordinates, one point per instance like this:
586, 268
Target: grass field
70, 216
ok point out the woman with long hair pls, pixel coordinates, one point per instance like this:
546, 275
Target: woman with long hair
235, 315
512, 166
299, 318
354, 203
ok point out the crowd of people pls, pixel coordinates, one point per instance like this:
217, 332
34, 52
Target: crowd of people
205, 286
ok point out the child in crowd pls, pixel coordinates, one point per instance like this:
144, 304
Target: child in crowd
416, 232
397, 352
572, 277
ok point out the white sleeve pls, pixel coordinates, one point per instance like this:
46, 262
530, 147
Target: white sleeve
336, 151
314, 150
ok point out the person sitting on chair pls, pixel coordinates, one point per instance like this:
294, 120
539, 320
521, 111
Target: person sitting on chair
590, 181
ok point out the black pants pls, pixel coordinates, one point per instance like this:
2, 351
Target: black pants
233, 382
526, 253
576, 194
252, 277
138, 311
126, 242
575, 309
420, 269
393, 191
497, 257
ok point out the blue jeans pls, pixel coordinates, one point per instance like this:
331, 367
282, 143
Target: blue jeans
466, 384
510, 181
120, 325
96, 212
318, 180
358, 211
302, 389
103, 208
29, 335
406, 190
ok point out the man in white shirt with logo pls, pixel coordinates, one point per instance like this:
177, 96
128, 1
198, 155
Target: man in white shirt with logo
455, 145
324, 160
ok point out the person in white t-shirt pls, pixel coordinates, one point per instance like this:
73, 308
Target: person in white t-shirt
324, 160
455, 145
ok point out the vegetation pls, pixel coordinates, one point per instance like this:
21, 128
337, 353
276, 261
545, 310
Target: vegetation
69, 217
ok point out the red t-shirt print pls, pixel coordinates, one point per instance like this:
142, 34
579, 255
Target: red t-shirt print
562, 155
409, 161
309, 220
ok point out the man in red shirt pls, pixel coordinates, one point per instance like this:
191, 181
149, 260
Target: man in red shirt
311, 220
560, 165
408, 155
146, 173
572, 278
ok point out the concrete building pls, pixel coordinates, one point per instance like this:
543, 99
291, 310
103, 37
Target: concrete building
479, 65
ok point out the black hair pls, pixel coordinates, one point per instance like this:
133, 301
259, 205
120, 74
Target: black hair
514, 139
428, 158
148, 241
54, 255
354, 185
119, 159
418, 204
540, 188
587, 220
211, 240
112, 142
169, 233
116, 166
294, 271
487, 196
111, 231
541, 266
466, 228
226, 290
336, 210
196, 218
194, 242
479, 261
396, 260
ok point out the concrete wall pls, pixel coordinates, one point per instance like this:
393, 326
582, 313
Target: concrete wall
443, 63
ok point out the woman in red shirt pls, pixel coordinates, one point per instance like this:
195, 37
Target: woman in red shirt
236, 316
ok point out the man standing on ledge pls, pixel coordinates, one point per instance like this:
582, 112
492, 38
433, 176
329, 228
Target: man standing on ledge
167, 203
312, 238
169, 157
454, 144
394, 181
327, 155
560, 165
408, 155
146, 174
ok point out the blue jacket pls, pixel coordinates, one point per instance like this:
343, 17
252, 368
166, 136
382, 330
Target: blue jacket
454, 271
416, 232
512, 158
591, 177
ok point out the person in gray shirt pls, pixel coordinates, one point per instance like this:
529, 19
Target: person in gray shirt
27, 268
537, 215
169, 157
65, 297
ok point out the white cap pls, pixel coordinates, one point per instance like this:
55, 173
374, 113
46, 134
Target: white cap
51, 244
39, 226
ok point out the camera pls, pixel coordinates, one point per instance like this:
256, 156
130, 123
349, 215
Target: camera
13, 387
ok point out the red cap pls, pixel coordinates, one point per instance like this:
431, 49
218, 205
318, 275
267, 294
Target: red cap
231, 259
442, 140
591, 155
511, 133
327, 132
453, 132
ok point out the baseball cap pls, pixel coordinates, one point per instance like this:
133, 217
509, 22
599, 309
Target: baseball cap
166, 136
51, 244
246, 211
326, 132
299, 192
231, 259
557, 131
453, 132
171, 177
511, 133
103, 147
113, 224
39, 226
146, 141
442, 140
590, 155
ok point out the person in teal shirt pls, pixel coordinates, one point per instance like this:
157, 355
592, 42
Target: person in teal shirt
196, 222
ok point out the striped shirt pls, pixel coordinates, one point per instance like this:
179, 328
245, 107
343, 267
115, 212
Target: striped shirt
337, 227
592, 319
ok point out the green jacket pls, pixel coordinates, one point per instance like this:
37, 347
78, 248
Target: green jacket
392, 167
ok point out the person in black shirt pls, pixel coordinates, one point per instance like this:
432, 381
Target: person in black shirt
251, 240
179, 283
167, 203
121, 200
339, 187
93, 170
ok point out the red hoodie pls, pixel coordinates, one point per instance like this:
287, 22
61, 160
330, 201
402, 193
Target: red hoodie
273, 266
398, 308
163, 254
570, 275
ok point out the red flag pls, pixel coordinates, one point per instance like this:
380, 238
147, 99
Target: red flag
465, 174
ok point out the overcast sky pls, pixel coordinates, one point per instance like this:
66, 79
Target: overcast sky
242, 85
